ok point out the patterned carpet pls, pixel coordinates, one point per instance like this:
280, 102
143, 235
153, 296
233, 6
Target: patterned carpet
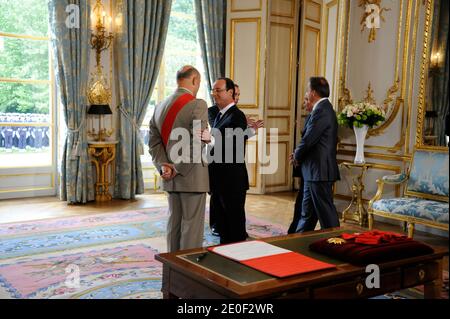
112, 254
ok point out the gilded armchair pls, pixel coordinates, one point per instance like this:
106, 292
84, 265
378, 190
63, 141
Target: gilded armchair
426, 193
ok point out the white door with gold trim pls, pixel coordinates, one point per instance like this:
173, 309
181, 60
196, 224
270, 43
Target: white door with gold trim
310, 53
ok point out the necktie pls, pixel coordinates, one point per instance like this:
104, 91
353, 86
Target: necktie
217, 119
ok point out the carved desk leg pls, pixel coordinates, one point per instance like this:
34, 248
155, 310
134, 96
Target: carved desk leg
432, 290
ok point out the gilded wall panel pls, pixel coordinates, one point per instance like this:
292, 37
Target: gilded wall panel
280, 66
375, 71
310, 59
313, 11
280, 178
244, 59
280, 122
283, 8
245, 6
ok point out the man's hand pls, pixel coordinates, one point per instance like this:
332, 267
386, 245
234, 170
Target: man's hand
292, 160
168, 171
291, 157
253, 123
259, 124
204, 136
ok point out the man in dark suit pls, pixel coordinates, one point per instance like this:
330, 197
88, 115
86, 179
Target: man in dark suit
228, 172
316, 155
253, 125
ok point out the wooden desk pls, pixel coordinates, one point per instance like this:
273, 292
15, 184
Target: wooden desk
215, 276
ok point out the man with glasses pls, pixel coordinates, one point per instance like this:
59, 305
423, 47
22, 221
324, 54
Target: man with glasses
252, 125
227, 169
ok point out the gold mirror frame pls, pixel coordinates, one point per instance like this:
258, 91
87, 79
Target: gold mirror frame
429, 8
394, 100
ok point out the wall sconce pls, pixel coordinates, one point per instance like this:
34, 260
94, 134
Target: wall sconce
101, 39
99, 92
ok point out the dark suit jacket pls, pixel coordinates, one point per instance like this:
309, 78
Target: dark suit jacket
317, 149
212, 113
228, 176
297, 169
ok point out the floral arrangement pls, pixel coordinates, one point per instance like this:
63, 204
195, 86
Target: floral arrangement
361, 113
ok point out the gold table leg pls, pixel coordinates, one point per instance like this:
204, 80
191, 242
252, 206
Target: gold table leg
356, 210
102, 156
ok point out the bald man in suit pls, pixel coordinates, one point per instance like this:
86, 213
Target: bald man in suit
186, 182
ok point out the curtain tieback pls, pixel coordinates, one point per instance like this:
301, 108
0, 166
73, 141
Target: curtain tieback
76, 149
136, 127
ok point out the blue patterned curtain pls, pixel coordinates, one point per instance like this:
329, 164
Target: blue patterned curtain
139, 49
211, 19
70, 49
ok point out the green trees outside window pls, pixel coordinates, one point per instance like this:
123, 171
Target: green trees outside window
24, 57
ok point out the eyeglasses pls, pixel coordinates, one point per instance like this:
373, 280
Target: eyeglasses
215, 91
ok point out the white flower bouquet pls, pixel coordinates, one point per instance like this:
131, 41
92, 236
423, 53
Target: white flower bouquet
361, 113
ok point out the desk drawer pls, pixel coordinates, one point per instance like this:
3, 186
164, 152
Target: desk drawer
356, 288
184, 287
416, 275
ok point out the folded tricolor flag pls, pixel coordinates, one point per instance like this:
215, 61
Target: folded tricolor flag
270, 259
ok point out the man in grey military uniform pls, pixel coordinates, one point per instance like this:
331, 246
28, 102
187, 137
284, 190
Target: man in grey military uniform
187, 182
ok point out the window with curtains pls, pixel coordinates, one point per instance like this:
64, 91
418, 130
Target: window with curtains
25, 85
182, 48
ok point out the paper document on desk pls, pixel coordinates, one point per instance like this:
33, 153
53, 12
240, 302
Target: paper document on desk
270, 259
248, 250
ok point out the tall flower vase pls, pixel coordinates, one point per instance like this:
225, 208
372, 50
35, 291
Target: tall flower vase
360, 134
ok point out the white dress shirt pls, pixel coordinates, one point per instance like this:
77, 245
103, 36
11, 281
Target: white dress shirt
226, 108
222, 112
317, 103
